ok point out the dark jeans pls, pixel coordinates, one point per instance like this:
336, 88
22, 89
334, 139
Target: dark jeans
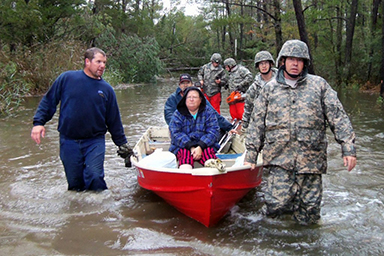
83, 162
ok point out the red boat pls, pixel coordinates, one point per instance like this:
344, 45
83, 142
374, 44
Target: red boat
204, 194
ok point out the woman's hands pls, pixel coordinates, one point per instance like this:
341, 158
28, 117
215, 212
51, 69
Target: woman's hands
196, 153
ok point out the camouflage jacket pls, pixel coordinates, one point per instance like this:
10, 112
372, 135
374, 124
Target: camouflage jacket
208, 73
252, 93
240, 78
289, 125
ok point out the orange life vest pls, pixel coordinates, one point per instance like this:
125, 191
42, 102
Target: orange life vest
235, 97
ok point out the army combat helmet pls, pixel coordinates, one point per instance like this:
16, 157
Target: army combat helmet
216, 57
263, 56
230, 62
294, 48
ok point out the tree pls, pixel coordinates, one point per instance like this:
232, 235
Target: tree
136, 59
374, 18
382, 46
185, 41
303, 30
350, 29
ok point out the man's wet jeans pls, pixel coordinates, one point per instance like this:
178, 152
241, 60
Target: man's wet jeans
83, 162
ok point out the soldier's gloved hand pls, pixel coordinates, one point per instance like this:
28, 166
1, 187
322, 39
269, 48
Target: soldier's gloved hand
124, 151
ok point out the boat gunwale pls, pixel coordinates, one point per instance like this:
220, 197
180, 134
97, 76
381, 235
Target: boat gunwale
200, 171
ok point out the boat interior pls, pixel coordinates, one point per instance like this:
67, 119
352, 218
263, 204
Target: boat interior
159, 138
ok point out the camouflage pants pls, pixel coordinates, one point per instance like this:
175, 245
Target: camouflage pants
289, 192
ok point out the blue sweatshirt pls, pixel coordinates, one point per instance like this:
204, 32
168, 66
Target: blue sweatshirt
88, 107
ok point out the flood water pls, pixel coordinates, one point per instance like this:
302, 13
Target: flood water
38, 216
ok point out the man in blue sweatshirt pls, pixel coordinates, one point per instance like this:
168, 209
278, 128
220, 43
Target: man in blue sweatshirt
88, 109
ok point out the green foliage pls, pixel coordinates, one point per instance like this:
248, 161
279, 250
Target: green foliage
135, 58
113, 76
57, 17
184, 41
355, 86
380, 100
12, 86
39, 21
43, 38
43, 63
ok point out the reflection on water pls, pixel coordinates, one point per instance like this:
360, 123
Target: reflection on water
40, 217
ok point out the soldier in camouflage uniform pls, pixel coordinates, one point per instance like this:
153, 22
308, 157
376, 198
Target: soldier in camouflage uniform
289, 124
212, 77
240, 78
264, 62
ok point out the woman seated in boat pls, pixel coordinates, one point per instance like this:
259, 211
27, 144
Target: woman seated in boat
194, 130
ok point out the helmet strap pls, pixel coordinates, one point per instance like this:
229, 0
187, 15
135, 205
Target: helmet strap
266, 73
230, 68
291, 75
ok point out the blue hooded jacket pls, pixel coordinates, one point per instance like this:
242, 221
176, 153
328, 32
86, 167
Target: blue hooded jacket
187, 132
174, 99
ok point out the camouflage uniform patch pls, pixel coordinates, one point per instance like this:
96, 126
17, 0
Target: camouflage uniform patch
289, 192
252, 93
208, 73
240, 78
289, 124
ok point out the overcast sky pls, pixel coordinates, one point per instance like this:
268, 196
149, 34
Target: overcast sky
190, 9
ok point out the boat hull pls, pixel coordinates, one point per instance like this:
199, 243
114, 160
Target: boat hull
202, 193
204, 198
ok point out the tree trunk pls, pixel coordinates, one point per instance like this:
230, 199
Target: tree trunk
265, 19
302, 29
382, 53
315, 37
350, 30
339, 36
374, 15
277, 25
231, 40
240, 46
223, 33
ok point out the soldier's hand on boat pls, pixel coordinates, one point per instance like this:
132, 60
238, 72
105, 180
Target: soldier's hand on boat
37, 131
350, 162
253, 166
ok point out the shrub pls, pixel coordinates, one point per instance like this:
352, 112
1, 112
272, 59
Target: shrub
44, 62
12, 85
136, 59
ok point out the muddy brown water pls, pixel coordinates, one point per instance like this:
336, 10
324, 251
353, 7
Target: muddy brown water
40, 217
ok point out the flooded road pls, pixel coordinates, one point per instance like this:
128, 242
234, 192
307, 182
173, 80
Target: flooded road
38, 216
